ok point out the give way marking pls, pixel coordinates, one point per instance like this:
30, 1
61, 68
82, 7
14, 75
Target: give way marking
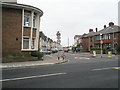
30, 77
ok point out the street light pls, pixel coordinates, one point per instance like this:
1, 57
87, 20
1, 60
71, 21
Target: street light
113, 40
101, 43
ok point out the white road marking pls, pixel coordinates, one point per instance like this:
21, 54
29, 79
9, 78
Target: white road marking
106, 68
76, 57
30, 77
116, 68
81, 58
100, 69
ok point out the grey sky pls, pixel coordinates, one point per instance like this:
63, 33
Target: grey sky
72, 17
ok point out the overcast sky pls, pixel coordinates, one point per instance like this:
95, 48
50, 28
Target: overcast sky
74, 17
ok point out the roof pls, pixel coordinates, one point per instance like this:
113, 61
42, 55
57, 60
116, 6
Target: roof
89, 34
77, 36
106, 30
20, 6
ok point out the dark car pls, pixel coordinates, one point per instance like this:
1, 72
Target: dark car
67, 50
77, 49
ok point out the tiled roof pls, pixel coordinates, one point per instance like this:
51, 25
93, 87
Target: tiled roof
109, 30
106, 30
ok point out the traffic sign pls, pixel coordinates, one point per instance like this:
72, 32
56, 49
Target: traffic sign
101, 42
58, 37
58, 33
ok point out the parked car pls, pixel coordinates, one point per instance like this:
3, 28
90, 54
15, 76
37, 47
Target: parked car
45, 51
66, 50
77, 49
55, 50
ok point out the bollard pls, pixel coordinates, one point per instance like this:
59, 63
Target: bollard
109, 54
94, 53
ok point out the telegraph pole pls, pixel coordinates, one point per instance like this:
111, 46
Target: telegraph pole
68, 42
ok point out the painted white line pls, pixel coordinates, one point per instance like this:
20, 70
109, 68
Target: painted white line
116, 68
76, 57
81, 58
100, 69
30, 77
106, 68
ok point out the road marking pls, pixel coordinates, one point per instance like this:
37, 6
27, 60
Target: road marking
118, 68
101, 69
81, 58
76, 57
30, 77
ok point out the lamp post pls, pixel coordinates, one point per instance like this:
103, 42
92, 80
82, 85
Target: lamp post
101, 44
113, 40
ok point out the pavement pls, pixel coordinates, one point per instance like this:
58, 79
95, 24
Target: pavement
48, 60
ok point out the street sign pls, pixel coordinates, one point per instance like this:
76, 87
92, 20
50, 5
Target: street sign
101, 42
58, 33
58, 37
59, 41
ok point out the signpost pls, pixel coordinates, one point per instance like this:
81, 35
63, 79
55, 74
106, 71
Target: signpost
58, 34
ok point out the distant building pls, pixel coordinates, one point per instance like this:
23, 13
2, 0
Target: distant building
20, 28
88, 40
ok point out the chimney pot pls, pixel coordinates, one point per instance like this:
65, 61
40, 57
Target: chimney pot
111, 24
90, 30
104, 26
96, 29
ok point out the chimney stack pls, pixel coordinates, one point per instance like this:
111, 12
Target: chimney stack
111, 24
96, 29
90, 30
104, 26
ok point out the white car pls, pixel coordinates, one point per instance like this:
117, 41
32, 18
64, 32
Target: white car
45, 51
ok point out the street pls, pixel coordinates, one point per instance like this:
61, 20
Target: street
81, 71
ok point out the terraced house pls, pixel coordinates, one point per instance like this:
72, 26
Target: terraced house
109, 37
20, 28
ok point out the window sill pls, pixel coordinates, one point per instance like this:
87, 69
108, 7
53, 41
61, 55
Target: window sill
29, 50
27, 26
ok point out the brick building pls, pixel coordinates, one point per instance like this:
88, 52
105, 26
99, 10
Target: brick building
20, 28
110, 38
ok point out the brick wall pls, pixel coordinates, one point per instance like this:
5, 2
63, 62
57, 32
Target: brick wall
27, 31
11, 31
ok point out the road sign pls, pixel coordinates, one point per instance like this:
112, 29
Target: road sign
58, 37
58, 33
101, 42
59, 41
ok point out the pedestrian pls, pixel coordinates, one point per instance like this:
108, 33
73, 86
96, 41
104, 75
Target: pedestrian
63, 56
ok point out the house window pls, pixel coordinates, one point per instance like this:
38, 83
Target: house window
33, 43
25, 43
27, 19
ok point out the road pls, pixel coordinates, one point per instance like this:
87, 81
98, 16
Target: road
81, 71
